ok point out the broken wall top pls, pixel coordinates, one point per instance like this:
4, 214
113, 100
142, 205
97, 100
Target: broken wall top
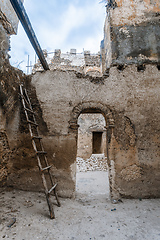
84, 62
132, 32
7, 9
129, 12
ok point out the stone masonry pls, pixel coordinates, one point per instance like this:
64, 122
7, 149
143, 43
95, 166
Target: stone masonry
8, 27
131, 33
84, 62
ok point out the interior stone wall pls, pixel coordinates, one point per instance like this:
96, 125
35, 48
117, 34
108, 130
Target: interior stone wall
129, 101
89, 123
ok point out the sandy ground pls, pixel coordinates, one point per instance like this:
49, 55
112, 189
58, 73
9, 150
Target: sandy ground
90, 216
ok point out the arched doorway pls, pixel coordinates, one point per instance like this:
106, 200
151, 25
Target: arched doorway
92, 169
95, 107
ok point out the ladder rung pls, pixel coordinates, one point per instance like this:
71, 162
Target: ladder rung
52, 188
36, 137
32, 122
46, 168
41, 152
22, 95
29, 110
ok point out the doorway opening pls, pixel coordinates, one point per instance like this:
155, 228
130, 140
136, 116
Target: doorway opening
92, 169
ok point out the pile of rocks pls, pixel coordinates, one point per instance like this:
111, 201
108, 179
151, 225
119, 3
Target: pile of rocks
97, 162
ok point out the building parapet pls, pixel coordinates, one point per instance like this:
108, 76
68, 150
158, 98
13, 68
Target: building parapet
84, 62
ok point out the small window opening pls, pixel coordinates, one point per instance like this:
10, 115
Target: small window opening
97, 142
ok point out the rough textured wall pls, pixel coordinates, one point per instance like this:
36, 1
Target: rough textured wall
4, 45
9, 118
7, 9
9, 79
132, 32
129, 101
106, 52
8, 26
4, 157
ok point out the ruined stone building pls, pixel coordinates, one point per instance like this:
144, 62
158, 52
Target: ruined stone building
126, 91
85, 62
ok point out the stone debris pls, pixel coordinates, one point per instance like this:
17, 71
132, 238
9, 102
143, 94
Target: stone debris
13, 220
28, 203
97, 162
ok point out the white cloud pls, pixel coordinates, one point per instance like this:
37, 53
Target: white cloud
74, 25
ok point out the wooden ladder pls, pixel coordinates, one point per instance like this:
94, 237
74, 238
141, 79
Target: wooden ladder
43, 165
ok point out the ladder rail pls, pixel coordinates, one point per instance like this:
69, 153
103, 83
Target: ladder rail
37, 131
39, 153
33, 142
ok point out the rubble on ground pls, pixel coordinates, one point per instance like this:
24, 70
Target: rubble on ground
97, 162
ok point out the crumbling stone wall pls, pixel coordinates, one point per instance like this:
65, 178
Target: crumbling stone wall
4, 40
129, 101
132, 33
8, 27
9, 15
85, 62
4, 157
9, 88
10, 119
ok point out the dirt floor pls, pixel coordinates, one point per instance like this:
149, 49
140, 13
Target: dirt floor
90, 216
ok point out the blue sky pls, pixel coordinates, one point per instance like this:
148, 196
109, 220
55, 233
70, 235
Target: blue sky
60, 24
